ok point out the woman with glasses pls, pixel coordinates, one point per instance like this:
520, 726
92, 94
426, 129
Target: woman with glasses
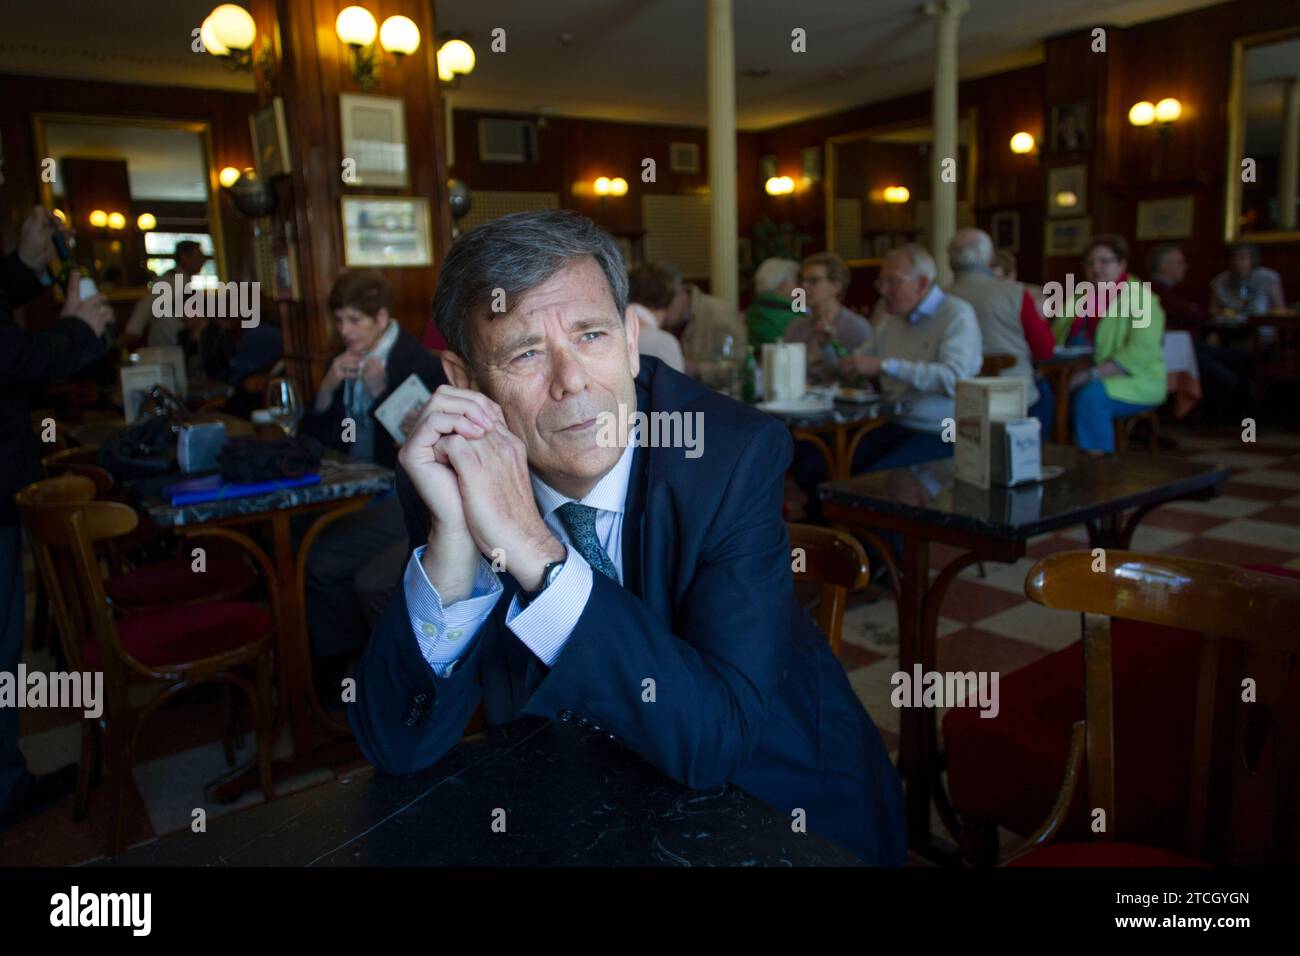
829, 328
1121, 319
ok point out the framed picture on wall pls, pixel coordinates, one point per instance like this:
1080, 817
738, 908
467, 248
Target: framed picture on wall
1067, 191
684, 157
1165, 218
373, 130
386, 232
1067, 237
1005, 227
270, 140
812, 163
1070, 127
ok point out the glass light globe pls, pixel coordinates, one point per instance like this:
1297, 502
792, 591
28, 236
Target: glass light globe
233, 27
99, 219
146, 222
1022, 143
399, 35
1168, 110
456, 56
356, 26
1142, 114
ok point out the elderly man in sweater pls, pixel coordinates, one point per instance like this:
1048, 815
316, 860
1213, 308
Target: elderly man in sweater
927, 341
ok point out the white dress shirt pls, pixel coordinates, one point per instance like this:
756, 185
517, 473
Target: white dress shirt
446, 634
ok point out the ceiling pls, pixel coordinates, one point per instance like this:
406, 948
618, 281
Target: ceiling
641, 60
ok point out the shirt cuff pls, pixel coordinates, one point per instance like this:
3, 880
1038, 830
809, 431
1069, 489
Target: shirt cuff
546, 624
445, 634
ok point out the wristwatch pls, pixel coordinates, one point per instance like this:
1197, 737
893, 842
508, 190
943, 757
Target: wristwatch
549, 574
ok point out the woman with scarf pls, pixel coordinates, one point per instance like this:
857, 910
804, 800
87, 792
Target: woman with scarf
1121, 319
365, 551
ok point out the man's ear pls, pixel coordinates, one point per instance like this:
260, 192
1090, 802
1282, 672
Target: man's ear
457, 370
632, 332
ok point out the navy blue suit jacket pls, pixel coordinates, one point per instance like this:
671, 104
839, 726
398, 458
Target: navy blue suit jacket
746, 689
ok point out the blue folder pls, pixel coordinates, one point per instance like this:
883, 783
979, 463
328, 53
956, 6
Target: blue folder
212, 488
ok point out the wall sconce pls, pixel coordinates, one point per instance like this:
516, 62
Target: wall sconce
228, 176
896, 194
779, 186
116, 220
98, 218
1023, 143
1163, 114
398, 37
455, 59
1066, 199
60, 215
228, 32
604, 186
146, 222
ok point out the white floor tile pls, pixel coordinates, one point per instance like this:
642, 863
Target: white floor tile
1240, 459
1151, 539
873, 687
1035, 624
1261, 534
1004, 577
1224, 506
1271, 479
51, 749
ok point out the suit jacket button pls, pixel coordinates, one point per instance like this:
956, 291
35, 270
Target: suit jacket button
564, 716
584, 722
421, 697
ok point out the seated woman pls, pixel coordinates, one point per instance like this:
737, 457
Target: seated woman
1246, 287
830, 329
369, 545
1122, 320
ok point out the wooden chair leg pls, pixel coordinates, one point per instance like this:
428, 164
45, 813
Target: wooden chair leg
119, 772
264, 715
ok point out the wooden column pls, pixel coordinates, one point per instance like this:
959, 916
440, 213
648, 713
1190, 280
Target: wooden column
723, 218
943, 195
312, 67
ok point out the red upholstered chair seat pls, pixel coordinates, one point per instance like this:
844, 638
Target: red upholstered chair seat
185, 632
1008, 770
1102, 854
175, 582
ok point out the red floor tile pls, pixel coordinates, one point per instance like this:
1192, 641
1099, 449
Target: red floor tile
968, 601
1242, 489
972, 649
852, 656
1228, 552
1188, 521
1280, 514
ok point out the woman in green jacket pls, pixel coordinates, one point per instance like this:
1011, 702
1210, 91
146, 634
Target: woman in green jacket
1121, 319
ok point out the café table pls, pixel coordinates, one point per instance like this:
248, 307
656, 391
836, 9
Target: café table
835, 432
558, 794
1057, 370
318, 738
926, 503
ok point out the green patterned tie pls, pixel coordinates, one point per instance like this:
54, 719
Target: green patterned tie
580, 522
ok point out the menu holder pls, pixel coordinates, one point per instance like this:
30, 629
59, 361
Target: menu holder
979, 403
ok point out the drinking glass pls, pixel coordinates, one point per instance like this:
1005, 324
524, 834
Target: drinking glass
284, 404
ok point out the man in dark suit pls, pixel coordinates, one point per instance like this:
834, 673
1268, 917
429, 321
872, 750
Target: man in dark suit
645, 591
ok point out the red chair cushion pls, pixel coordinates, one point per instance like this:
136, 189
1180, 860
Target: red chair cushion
185, 632
1103, 854
1009, 769
175, 582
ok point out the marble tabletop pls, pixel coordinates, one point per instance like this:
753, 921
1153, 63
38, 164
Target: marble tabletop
339, 480
842, 413
1087, 488
531, 793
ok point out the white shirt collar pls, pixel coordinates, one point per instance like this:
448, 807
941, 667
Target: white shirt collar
610, 493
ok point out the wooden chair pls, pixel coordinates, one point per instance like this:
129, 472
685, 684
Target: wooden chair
182, 647
837, 562
1245, 755
1277, 356
80, 461
1123, 427
995, 363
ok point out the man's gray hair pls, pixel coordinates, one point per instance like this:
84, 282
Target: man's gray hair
514, 254
919, 256
970, 249
773, 272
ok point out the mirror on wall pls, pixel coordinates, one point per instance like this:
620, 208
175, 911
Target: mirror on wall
130, 189
1264, 144
878, 188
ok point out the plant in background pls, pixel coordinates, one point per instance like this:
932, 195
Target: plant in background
781, 240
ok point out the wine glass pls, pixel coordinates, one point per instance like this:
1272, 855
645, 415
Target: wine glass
284, 404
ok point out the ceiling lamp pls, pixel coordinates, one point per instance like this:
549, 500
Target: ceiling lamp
1022, 143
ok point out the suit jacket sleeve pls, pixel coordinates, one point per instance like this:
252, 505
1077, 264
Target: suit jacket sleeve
30, 357
716, 667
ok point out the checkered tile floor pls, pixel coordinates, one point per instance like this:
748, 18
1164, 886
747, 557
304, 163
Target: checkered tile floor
985, 624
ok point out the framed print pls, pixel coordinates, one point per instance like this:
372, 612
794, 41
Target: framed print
881, 243
1069, 130
1005, 227
684, 157
270, 140
812, 163
1165, 218
373, 130
135, 381
1067, 237
1067, 191
766, 167
387, 232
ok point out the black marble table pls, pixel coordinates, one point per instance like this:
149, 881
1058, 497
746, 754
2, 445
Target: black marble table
926, 503
836, 432
319, 738
567, 796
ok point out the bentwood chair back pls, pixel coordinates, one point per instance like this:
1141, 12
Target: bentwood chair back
836, 561
995, 363
1244, 793
222, 642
